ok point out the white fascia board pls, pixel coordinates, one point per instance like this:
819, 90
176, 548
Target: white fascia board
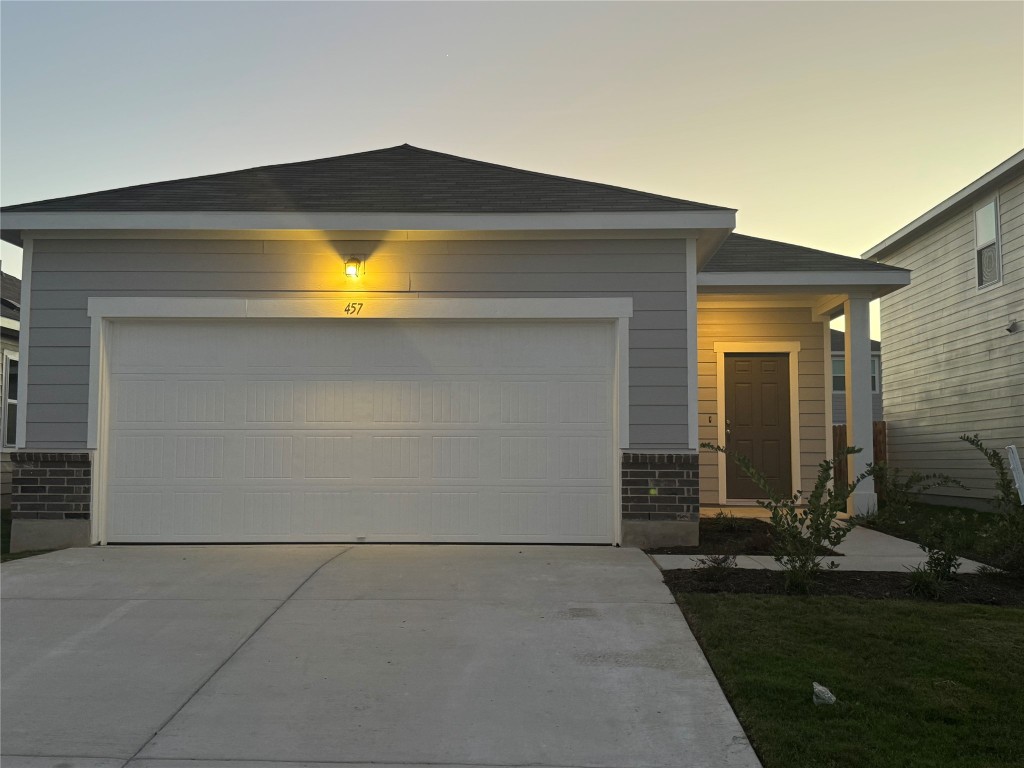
368, 308
206, 221
817, 280
7, 322
946, 206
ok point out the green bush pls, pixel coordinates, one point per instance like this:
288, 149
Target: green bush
715, 566
924, 583
942, 539
1003, 538
801, 532
898, 492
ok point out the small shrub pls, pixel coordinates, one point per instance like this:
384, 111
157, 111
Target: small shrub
727, 521
1003, 538
925, 584
713, 562
800, 533
899, 493
941, 540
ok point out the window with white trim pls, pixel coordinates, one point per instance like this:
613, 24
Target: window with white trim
9, 396
986, 243
839, 375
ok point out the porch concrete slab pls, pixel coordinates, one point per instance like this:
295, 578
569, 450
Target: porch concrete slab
97, 678
497, 573
126, 572
465, 682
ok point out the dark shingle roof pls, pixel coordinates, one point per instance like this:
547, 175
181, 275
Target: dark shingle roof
742, 253
403, 179
10, 296
839, 345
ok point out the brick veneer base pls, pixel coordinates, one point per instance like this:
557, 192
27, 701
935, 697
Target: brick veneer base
50, 486
660, 486
660, 499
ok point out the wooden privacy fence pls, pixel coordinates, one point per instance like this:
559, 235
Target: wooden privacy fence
839, 445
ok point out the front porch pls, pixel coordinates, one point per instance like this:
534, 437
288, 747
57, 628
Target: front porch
763, 377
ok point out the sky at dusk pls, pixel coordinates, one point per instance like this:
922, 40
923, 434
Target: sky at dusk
827, 124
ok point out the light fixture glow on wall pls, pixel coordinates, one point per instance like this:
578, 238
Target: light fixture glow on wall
352, 268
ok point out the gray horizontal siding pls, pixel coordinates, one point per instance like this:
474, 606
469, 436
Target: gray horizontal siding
66, 273
950, 366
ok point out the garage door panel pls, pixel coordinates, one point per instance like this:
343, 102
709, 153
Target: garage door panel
376, 431
200, 401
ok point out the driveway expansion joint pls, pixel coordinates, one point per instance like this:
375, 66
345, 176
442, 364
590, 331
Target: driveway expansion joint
233, 653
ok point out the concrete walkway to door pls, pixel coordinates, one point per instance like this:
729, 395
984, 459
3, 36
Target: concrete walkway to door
276, 656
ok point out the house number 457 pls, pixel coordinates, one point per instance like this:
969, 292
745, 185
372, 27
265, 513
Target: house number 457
353, 308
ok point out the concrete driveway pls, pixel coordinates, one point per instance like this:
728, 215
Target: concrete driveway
174, 656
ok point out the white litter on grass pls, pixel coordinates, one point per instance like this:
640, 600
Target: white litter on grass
822, 695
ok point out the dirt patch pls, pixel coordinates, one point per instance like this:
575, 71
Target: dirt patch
982, 589
730, 536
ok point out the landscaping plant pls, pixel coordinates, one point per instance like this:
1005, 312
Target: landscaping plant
899, 493
801, 532
717, 564
1003, 537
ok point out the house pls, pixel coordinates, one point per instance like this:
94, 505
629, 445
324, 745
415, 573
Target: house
405, 345
10, 324
838, 382
954, 340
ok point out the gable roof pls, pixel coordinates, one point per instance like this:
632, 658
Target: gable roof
743, 253
839, 342
979, 188
402, 179
10, 296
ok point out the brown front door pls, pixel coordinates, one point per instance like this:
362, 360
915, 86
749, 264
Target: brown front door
757, 422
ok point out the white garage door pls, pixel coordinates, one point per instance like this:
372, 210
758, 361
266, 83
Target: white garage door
368, 430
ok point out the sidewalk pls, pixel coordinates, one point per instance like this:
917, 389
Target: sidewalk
863, 550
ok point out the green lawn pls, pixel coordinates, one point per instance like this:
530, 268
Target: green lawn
918, 684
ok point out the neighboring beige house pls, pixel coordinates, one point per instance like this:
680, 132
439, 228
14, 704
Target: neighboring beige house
405, 345
838, 381
10, 325
954, 340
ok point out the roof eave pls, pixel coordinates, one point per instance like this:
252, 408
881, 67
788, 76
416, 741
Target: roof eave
874, 283
978, 188
15, 223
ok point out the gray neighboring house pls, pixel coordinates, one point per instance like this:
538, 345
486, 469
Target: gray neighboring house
838, 381
406, 345
10, 326
954, 340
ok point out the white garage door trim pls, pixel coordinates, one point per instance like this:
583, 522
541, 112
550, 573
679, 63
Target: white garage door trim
105, 311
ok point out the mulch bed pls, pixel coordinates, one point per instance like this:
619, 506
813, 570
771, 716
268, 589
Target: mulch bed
730, 536
982, 589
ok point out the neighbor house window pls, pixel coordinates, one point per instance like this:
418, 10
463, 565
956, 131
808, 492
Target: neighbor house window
839, 375
986, 244
9, 417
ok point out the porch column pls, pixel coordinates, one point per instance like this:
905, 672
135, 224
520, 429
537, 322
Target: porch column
859, 427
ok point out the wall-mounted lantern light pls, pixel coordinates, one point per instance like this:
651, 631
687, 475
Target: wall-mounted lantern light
352, 268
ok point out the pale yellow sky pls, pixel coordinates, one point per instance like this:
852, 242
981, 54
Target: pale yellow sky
827, 124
